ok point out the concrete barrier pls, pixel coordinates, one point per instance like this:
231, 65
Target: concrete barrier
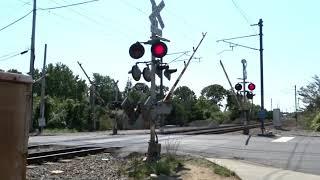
15, 102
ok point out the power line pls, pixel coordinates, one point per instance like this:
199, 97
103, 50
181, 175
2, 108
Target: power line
94, 21
5, 27
243, 14
69, 5
25, 3
132, 6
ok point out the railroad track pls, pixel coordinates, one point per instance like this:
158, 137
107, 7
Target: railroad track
215, 130
66, 153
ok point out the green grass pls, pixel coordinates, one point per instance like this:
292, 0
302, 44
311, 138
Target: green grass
169, 165
58, 131
139, 169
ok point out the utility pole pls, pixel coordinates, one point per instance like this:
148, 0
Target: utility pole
32, 58
42, 120
262, 113
260, 24
271, 104
295, 102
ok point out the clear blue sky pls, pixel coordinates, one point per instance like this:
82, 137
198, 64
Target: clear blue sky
99, 35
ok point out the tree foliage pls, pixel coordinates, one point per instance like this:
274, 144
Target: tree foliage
62, 83
311, 94
311, 98
214, 93
105, 86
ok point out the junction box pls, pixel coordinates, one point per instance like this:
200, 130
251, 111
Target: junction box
15, 116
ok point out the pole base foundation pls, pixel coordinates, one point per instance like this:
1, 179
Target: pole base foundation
154, 150
114, 131
267, 134
246, 131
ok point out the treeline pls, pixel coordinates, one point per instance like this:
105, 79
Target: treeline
309, 116
67, 102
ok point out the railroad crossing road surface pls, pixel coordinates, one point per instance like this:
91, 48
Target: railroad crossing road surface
294, 153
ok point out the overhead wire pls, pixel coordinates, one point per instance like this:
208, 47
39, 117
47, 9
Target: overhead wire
243, 14
132, 6
92, 20
25, 3
14, 22
69, 5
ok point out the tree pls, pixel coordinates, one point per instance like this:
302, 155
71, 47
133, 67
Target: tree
214, 93
14, 71
311, 94
127, 88
65, 102
184, 107
105, 86
62, 83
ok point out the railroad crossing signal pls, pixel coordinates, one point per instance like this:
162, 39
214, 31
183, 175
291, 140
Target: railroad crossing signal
146, 74
136, 72
251, 86
238, 87
136, 50
250, 95
159, 49
167, 73
155, 17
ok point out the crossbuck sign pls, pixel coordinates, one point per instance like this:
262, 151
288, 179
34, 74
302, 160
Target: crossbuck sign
155, 18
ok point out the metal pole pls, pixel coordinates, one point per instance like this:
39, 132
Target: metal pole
261, 73
161, 81
32, 58
152, 94
244, 109
42, 121
295, 102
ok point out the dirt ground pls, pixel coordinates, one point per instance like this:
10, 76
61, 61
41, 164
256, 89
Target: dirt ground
196, 172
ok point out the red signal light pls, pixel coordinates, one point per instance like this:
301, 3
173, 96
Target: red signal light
159, 49
251, 86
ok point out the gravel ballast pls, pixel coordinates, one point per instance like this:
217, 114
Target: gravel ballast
99, 166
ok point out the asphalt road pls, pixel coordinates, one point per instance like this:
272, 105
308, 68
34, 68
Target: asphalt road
297, 153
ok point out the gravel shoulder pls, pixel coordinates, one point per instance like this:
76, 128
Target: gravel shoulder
108, 166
